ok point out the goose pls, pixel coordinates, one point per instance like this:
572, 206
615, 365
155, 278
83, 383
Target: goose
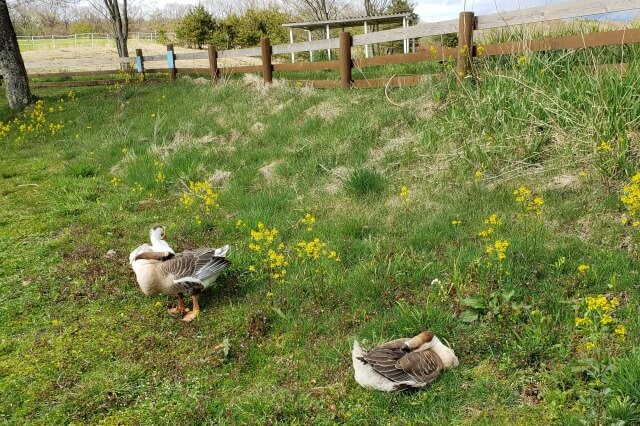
402, 363
163, 272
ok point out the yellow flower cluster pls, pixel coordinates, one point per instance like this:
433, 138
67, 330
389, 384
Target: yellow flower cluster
202, 191
314, 250
115, 181
404, 193
277, 264
595, 323
631, 199
263, 234
492, 223
603, 147
499, 247
263, 239
477, 176
137, 188
159, 172
533, 203
601, 303
33, 121
582, 268
456, 222
308, 220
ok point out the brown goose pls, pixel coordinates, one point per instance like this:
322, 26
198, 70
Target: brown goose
402, 363
189, 272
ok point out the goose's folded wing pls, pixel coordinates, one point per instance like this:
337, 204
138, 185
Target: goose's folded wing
384, 359
421, 367
208, 264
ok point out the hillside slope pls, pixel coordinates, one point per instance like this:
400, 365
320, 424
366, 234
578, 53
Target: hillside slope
507, 241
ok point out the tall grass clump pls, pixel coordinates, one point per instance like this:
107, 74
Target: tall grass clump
365, 182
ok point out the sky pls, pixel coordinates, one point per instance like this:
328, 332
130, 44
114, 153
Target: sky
440, 10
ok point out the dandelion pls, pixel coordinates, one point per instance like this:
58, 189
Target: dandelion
252, 268
153, 115
124, 150
239, 224
456, 222
589, 346
115, 181
480, 50
603, 147
522, 60
477, 176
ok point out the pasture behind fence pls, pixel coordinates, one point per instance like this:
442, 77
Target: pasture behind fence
466, 27
35, 42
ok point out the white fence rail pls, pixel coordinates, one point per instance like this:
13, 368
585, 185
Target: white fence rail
573, 9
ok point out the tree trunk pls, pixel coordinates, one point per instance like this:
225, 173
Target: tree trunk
11, 64
120, 22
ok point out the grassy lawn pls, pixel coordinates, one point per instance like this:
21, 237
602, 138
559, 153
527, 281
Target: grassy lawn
536, 291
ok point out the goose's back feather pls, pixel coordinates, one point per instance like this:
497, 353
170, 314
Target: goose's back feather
391, 362
193, 271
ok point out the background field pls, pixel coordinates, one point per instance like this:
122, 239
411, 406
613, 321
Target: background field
81, 344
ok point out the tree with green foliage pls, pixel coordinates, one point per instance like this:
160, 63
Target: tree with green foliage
196, 28
258, 23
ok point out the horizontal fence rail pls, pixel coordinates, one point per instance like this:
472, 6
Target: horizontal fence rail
465, 27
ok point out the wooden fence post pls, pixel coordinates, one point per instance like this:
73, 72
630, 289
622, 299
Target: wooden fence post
345, 60
171, 62
140, 62
465, 43
267, 68
213, 63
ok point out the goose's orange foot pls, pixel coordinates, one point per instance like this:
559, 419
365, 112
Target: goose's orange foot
191, 315
176, 310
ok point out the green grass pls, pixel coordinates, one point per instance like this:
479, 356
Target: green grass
79, 343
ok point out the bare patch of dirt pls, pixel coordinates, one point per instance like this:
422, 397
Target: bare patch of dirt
339, 176
219, 178
258, 327
269, 172
258, 127
399, 143
566, 181
326, 110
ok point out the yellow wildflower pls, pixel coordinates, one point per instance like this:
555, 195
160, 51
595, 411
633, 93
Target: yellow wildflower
582, 268
621, 331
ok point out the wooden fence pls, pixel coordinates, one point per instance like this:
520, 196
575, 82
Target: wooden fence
465, 27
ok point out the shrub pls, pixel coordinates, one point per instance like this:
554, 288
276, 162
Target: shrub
195, 28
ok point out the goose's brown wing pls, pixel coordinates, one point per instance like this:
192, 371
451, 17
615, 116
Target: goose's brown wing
422, 367
191, 269
383, 360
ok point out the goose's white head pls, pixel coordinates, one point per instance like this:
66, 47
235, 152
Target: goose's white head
138, 250
157, 233
421, 342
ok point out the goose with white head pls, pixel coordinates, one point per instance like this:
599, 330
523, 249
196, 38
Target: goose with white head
161, 271
402, 363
